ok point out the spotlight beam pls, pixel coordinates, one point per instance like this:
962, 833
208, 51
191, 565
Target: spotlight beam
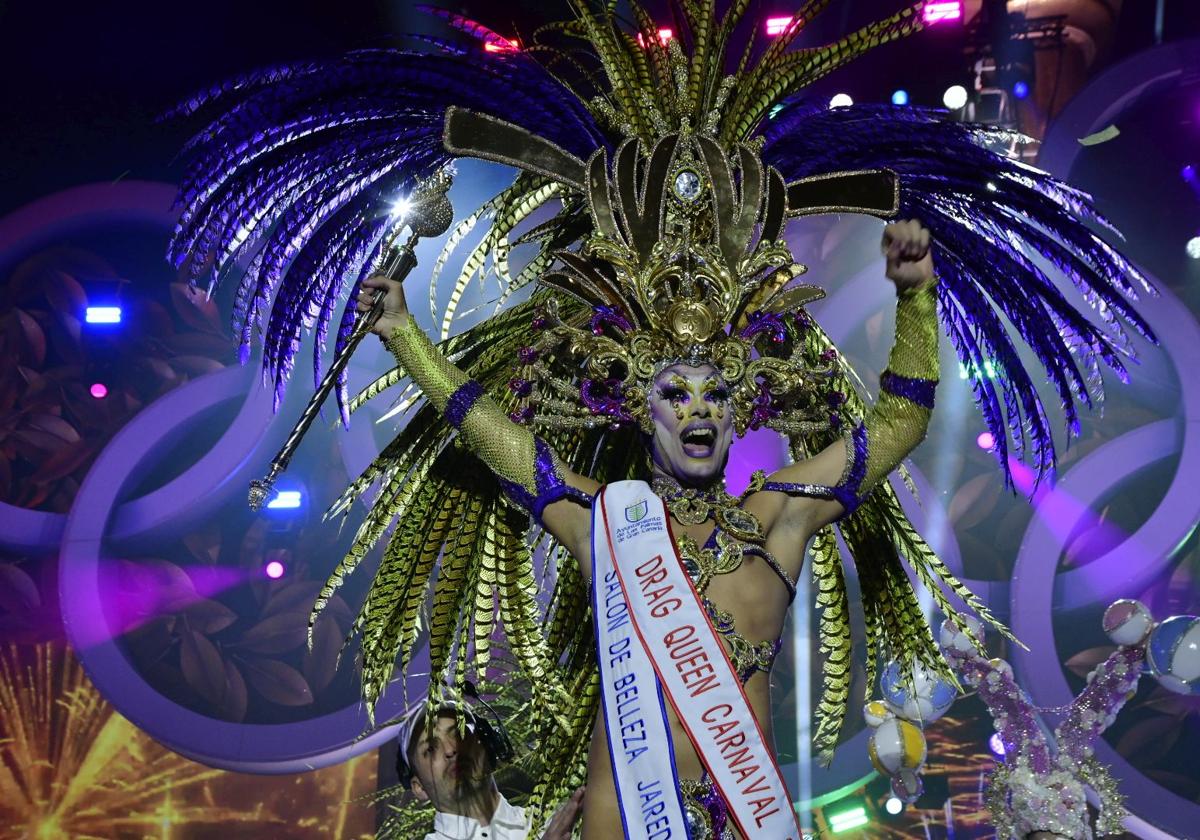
1055, 507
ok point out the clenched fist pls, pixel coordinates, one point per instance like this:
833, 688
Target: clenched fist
906, 248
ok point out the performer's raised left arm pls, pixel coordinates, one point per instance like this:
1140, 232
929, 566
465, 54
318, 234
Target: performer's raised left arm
894, 426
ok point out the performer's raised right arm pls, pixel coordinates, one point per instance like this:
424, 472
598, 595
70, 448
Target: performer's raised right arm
529, 471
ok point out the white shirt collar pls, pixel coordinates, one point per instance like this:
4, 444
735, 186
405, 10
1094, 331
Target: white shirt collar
508, 823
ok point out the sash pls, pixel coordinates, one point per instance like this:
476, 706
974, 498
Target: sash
632, 548
635, 715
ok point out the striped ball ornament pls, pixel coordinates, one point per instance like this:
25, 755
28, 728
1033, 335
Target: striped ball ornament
896, 745
1173, 653
1127, 622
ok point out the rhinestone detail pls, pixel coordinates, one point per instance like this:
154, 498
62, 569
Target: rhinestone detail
687, 185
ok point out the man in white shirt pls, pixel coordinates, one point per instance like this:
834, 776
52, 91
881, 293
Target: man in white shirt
454, 773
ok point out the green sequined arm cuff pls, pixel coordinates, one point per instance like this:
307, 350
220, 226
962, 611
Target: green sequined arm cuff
900, 417
507, 448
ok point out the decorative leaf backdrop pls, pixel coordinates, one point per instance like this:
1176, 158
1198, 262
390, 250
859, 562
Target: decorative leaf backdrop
51, 427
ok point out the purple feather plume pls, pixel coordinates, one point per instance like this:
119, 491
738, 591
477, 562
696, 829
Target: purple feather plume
990, 216
295, 171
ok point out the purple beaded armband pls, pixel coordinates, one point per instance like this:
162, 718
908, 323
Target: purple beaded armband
846, 491
550, 485
460, 402
792, 488
919, 391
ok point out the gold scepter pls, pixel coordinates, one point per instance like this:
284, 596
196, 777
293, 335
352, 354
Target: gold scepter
426, 213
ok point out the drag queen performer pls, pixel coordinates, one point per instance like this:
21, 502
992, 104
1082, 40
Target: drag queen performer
667, 317
742, 555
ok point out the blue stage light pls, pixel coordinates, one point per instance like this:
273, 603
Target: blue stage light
1021, 89
286, 500
900, 97
103, 315
974, 371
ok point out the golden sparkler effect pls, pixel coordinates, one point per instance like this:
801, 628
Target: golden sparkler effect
70, 766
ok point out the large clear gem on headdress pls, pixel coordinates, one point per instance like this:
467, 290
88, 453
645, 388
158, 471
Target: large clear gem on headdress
687, 185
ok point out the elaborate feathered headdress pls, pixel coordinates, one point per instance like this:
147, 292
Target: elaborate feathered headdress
684, 264
661, 160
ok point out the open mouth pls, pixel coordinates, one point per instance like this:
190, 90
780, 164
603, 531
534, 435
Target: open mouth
699, 439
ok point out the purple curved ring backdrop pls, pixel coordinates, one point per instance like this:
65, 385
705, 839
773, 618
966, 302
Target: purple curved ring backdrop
103, 521
1113, 575
88, 536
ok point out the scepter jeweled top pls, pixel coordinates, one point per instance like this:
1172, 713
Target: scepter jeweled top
427, 212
